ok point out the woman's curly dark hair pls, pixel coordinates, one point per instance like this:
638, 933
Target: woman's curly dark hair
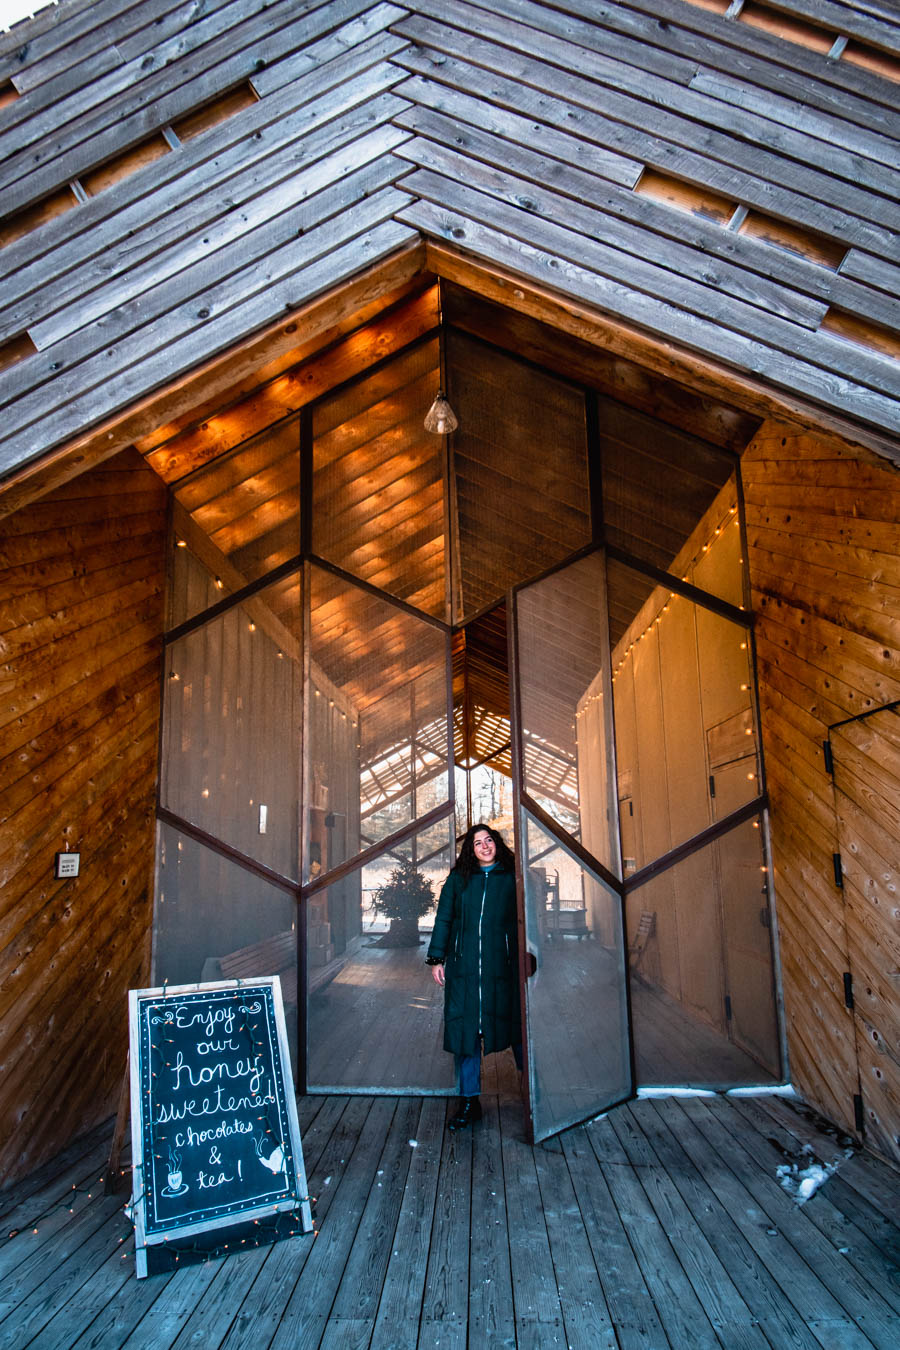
467, 863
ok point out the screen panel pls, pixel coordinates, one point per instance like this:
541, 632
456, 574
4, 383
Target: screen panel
379, 507
577, 1017
700, 958
239, 515
564, 702
685, 725
375, 1013
521, 490
214, 920
231, 737
377, 720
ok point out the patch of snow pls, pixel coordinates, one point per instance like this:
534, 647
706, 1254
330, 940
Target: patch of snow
802, 1182
675, 1092
779, 1090
414, 1143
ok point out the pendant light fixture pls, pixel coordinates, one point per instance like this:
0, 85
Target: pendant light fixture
440, 418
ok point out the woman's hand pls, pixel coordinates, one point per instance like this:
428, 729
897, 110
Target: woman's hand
438, 973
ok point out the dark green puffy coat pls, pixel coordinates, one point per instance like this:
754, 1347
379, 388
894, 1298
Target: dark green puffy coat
478, 919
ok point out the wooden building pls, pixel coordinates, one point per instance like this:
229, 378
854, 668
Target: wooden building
260, 628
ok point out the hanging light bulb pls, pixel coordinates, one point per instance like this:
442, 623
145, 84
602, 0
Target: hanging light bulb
440, 418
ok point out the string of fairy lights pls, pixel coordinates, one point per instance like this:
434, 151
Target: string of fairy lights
248, 1022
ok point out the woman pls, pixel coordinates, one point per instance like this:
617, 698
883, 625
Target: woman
474, 955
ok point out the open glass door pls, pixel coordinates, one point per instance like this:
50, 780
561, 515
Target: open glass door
578, 1049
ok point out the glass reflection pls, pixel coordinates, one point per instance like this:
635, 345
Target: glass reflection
565, 703
575, 1001
375, 1014
700, 957
216, 921
686, 742
231, 739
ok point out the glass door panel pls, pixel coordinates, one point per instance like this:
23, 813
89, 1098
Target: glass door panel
686, 742
375, 1015
564, 702
700, 956
579, 1058
576, 1005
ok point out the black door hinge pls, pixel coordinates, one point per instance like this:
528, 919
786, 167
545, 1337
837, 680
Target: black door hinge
727, 1007
848, 989
829, 758
838, 870
712, 785
858, 1113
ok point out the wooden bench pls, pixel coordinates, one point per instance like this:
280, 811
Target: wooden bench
276, 955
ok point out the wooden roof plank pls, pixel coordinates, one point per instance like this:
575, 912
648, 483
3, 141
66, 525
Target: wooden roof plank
149, 103
657, 280
365, 26
223, 219
336, 87
879, 30
54, 27
327, 256
680, 160
825, 127
691, 261
661, 107
333, 190
541, 266
761, 57
123, 31
789, 269
47, 121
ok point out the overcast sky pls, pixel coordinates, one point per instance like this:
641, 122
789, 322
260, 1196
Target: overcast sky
13, 10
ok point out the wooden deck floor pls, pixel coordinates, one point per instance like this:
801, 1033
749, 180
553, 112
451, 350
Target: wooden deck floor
661, 1225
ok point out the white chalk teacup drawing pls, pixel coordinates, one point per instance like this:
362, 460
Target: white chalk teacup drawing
275, 1160
174, 1179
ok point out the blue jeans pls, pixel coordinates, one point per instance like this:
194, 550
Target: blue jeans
469, 1069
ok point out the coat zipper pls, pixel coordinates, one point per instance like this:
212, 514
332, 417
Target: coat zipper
480, 917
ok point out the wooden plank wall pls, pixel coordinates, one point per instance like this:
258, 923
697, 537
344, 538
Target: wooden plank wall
82, 575
824, 566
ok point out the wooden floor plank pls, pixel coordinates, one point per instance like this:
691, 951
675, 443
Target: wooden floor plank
659, 1226
770, 1306
445, 1301
811, 1299
310, 1303
854, 1294
491, 1316
730, 1317
637, 1322
401, 1300
680, 1309
875, 1262
257, 1318
586, 1318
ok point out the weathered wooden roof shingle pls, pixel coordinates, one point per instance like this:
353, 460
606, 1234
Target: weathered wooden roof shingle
708, 181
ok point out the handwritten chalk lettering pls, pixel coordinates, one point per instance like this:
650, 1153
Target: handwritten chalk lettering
216, 1139
242, 1068
208, 1018
210, 1106
209, 1183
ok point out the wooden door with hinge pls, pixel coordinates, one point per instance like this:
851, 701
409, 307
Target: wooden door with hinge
865, 763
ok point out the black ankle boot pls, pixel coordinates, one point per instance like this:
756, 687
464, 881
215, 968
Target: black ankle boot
469, 1111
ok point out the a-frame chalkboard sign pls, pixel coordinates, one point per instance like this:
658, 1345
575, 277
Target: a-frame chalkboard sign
214, 1130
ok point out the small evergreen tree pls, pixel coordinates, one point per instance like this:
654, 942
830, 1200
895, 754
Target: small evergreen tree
404, 898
